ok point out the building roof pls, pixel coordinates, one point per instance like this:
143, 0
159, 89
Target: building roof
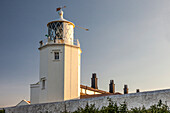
82, 95
92, 89
103, 93
23, 102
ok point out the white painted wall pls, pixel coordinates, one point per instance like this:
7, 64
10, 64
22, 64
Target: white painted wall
55, 79
43, 74
62, 76
53, 72
97, 93
79, 70
72, 72
89, 92
34, 93
133, 100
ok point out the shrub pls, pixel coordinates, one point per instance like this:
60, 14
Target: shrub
122, 108
87, 109
2, 111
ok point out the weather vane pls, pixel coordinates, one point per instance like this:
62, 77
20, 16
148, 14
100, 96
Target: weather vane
59, 8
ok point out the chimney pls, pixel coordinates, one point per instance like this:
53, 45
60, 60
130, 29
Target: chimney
112, 87
137, 90
125, 89
94, 81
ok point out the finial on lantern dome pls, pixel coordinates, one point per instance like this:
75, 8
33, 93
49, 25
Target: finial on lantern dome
61, 14
60, 11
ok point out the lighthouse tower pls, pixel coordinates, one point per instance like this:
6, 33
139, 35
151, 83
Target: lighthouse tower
60, 55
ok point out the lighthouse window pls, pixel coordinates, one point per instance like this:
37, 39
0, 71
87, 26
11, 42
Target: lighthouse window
43, 84
56, 55
59, 30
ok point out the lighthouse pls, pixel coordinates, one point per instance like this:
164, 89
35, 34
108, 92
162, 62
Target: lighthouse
60, 56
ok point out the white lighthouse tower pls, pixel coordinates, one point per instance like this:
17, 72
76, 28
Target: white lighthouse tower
60, 55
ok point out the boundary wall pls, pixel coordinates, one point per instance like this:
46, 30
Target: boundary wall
133, 100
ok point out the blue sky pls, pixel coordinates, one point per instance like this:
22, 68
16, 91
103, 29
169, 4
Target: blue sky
128, 41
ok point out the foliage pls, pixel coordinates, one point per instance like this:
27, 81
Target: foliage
2, 111
139, 110
87, 109
159, 108
113, 107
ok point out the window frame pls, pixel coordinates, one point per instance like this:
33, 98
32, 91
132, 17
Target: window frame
43, 83
56, 55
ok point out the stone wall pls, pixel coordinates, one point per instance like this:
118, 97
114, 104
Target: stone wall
133, 100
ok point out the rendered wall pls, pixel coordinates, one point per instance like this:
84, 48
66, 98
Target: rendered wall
133, 100
34, 93
53, 72
62, 76
85, 91
43, 73
71, 72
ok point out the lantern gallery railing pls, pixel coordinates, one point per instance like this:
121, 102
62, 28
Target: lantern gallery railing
59, 41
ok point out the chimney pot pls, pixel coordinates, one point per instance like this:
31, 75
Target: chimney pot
94, 81
111, 81
93, 75
125, 89
137, 90
112, 87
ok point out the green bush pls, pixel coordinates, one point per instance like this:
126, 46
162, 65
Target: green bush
87, 109
122, 108
2, 111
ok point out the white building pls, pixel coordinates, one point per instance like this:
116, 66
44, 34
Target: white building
60, 55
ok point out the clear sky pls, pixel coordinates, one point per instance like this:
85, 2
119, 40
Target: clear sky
128, 41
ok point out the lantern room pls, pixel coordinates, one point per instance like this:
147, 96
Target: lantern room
61, 30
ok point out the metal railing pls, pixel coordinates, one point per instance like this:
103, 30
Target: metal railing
59, 41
